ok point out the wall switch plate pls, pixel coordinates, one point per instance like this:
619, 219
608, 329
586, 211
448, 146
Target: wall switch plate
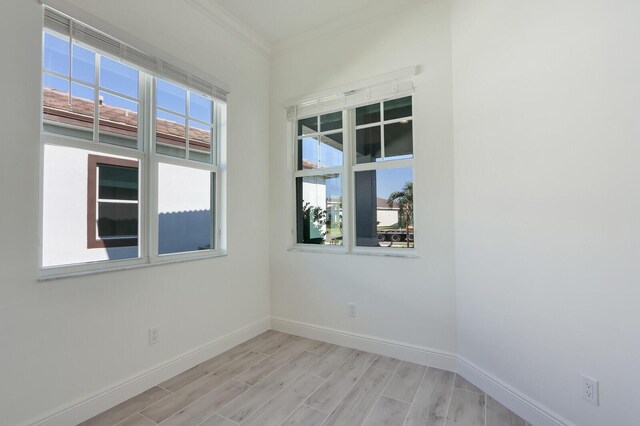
352, 310
590, 390
154, 335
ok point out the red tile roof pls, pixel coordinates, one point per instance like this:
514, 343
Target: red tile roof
60, 108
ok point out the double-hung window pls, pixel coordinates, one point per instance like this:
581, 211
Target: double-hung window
354, 177
131, 155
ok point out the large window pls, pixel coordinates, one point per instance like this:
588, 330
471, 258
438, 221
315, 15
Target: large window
366, 152
131, 159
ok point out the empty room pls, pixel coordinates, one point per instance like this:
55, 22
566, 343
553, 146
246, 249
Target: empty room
303, 212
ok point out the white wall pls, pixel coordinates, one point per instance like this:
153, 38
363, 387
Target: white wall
66, 339
402, 299
547, 154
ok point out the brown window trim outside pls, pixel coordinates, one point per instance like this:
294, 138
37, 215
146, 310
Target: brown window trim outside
93, 240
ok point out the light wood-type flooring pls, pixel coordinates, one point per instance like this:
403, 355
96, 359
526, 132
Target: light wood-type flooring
281, 379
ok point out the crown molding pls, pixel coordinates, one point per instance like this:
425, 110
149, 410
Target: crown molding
222, 17
341, 24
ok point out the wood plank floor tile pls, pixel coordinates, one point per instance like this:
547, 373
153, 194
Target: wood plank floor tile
405, 382
355, 406
275, 361
331, 361
275, 344
181, 380
217, 420
386, 363
387, 412
430, 404
203, 408
306, 416
329, 395
247, 403
499, 415
321, 348
136, 420
466, 409
464, 384
127, 408
194, 391
278, 408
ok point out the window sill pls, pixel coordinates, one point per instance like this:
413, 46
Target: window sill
358, 252
62, 272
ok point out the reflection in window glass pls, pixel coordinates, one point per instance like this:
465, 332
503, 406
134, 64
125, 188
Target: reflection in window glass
319, 214
397, 108
331, 121
171, 134
199, 142
56, 54
118, 77
118, 120
367, 114
171, 97
398, 140
185, 209
368, 145
200, 108
84, 64
331, 150
384, 208
307, 126
308, 149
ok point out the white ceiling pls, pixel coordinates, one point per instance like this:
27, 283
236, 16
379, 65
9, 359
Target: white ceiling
278, 20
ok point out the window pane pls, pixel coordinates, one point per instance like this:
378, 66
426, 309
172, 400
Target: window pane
308, 150
118, 120
398, 141
331, 121
185, 207
199, 142
56, 54
307, 126
118, 77
170, 134
71, 211
397, 108
319, 215
71, 116
84, 63
117, 182
171, 97
331, 150
200, 107
117, 220
368, 145
368, 114
384, 208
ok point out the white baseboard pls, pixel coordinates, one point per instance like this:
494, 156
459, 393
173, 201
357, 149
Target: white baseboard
524, 406
85, 408
377, 345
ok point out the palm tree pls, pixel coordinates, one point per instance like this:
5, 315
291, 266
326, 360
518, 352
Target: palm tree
404, 200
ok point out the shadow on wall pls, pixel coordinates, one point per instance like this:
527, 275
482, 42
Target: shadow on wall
184, 231
178, 232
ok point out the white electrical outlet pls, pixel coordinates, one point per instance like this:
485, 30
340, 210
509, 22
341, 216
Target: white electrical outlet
352, 310
590, 390
154, 335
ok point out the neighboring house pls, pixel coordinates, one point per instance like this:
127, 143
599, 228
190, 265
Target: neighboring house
102, 192
387, 216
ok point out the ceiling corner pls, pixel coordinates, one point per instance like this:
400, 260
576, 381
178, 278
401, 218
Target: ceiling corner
212, 10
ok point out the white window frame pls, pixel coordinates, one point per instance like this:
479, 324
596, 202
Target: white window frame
348, 170
149, 160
